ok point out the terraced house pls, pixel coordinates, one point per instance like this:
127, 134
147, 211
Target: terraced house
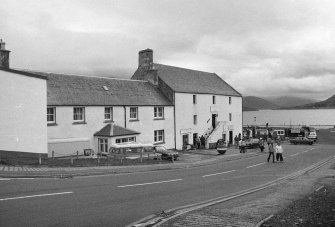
160, 104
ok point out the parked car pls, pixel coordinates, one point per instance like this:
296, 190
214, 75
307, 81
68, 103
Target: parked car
312, 136
166, 154
252, 143
301, 140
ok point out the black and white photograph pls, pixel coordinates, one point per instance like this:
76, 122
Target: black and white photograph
167, 113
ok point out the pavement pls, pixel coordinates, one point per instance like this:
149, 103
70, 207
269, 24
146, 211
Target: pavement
190, 158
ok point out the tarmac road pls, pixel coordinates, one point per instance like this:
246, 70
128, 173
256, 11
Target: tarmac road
117, 200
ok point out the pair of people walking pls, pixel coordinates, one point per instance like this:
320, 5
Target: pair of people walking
278, 150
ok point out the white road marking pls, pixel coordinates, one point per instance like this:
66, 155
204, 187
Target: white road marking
4, 179
218, 173
319, 188
32, 196
157, 182
256, 165
294, 154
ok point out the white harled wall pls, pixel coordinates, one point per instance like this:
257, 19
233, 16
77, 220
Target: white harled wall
66, 138
23, 103
204, 108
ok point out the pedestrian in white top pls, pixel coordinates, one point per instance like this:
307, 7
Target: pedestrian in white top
279, 152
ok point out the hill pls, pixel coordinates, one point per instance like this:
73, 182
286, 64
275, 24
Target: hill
256, 103
328, 103
289, 101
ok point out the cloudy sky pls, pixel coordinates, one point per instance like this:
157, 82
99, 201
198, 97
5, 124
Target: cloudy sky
260, 47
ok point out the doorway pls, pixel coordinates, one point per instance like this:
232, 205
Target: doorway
195, 136
230, 137
214, 120
185, 139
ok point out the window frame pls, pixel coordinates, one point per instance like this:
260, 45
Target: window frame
53, 115
230, 100
159, 136
230, 116
102, 145
214, 99
194, 99
110, 114
125, 140
195, 119
82, 114
130, 113
158, 114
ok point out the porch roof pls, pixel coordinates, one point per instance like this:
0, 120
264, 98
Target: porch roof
112, 130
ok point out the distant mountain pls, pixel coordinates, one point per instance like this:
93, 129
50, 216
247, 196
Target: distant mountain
288, 101
256, 103
328, 103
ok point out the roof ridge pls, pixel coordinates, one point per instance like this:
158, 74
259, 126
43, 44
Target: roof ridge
194, 70
76, 75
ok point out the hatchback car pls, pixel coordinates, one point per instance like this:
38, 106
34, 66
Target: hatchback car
166, 154
301, 140
312, 136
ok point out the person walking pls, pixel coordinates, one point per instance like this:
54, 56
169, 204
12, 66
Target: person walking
279, 152
271, 151
197, 141
202, 141
236, 141
261, 144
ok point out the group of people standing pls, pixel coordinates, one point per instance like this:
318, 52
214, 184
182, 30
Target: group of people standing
278, 150
200, 142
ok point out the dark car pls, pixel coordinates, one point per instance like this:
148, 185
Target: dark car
252, 143
166, 154
301, 140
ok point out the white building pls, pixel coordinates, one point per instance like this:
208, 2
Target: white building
65, 114
22, 109
204, 103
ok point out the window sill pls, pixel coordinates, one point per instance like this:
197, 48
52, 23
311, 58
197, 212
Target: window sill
159, 143
52, 124
134, 120
108, 121
79, 123
157, 119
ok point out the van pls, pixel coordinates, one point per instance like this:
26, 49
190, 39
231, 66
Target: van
312, 136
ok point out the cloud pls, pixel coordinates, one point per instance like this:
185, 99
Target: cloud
260, 47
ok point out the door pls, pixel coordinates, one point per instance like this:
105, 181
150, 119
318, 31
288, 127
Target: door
214, 120
185, 139
195, 135
230, 137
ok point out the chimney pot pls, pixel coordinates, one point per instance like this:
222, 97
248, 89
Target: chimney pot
145, 58
4, 55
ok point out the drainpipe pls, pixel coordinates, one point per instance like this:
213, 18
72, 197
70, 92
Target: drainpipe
174, 119
125, 116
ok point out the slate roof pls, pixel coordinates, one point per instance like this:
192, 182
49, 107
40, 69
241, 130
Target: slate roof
115, 130
193, 81
72, 90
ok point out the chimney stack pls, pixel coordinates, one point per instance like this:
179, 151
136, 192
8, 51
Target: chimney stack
145, 59
4, 55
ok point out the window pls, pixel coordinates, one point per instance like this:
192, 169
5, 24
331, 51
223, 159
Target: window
133, 113
214, 99
79, 114
194, 99
280, 132
158, 112
51, 115
108, 113
195, 119
158, 136
103, 145
230, 117
229, 100
126, 140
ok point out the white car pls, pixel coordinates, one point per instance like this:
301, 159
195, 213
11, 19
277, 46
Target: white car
312, 136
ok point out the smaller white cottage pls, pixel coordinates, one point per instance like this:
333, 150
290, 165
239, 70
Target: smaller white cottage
23, 100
